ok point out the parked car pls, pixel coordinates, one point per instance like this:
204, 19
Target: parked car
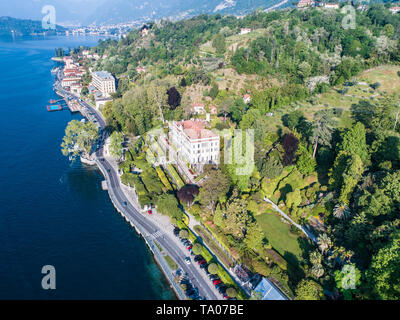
215, 282
204, 266
189, 247
213, 277
149, 211
187, 260
198, 258
221, 289
201, 261
225, 296
176, 231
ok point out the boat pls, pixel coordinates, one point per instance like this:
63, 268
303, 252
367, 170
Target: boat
56, 107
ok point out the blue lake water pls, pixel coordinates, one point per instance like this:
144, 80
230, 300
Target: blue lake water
53, 212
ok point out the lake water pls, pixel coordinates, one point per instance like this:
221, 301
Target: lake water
53, 212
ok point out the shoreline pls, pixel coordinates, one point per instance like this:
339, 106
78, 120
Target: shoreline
150, 247
158, 258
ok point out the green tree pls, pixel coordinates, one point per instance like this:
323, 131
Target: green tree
184, 234
306, 164
388, 30
168, 205
79, 138
309, 290
322, 130
214, 91
116, 148
383, 273
214, 188
231, 292
354, 142
197, 248
212, 268
348, 280
219, 43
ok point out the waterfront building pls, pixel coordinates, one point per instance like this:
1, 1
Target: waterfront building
67, 82
194, 144
104, 82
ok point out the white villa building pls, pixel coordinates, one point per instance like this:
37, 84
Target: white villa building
104, 82
194, 143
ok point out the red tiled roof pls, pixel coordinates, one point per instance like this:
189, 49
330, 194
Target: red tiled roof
195, 129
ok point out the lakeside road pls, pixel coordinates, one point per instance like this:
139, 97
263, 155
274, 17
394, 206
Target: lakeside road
145, 226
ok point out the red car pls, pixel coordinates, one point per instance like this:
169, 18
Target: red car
202, 261
149, 212
215, 282
189, 247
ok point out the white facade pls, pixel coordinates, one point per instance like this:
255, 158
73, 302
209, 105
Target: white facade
104, 82
195, 144
245, 31
67, 82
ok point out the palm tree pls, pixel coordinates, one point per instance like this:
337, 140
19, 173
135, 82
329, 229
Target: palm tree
341, 211
315, 257
318, 270
324, 242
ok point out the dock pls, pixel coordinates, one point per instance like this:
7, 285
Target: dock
73, 106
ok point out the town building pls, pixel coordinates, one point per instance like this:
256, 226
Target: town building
68, 62
331, 6
67, 82
245, 30
76, 88
104, 82
101, 102
305, 3
198, 108
140, 69
394, 9
194, 143
246, 98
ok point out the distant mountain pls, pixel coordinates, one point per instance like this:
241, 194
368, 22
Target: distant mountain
114, 11
21, 27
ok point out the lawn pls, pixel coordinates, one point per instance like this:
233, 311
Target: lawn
172, 264
280, 237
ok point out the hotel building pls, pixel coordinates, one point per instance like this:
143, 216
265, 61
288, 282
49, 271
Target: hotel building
104, 82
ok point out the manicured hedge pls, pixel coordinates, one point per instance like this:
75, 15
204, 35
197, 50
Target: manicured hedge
164, 179
175, 176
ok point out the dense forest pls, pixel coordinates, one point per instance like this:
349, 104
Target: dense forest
324, 108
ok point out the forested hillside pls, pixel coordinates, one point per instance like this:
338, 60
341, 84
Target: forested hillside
22, 27
324, 107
